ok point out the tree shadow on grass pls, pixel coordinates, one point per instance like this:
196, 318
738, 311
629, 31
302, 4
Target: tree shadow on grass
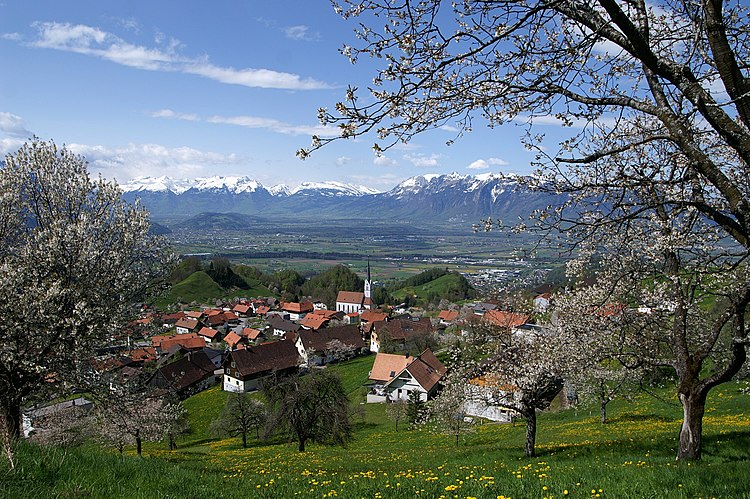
727, 446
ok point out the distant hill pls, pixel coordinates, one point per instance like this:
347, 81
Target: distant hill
199, 287
450, 286
450, 197
159, 230
218, 221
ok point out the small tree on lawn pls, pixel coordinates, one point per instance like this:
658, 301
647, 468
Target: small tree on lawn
396, 410
337, 351
447, 412
131, 415
241, 415
313, 407
521, 372
65, 427
414, 408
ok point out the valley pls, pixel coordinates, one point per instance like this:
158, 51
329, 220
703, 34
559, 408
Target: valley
395, 249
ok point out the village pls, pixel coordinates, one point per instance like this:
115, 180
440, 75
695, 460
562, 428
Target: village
243, 343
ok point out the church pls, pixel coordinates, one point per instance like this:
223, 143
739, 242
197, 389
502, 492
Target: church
351, 302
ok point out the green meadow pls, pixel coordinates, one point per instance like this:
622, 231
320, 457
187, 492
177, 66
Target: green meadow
630, 457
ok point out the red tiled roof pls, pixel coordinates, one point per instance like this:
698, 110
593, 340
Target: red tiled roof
232, 339
387, 365
329, 314
506, 319
350, 297
297, 308
372, 316
448, 315
241, 308
208, 332
189, 341
173, 317
250, 333
145, 354
187, 323
314, 321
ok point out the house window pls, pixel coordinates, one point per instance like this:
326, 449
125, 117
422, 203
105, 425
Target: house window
238, 383
233, 364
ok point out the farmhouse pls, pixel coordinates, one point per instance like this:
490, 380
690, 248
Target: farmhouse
397, 333
244, 369
328, 345
187, 375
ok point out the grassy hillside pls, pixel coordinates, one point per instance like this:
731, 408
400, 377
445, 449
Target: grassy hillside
631, 457
441, 286
199, 287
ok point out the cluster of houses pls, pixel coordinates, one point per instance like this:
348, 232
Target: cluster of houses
243, 343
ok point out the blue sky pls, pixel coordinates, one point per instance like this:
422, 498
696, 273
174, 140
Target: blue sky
190, 89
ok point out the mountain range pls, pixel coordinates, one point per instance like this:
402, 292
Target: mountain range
447, 197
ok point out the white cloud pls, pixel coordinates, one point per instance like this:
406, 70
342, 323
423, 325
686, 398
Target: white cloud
12, 124
14, 37
384, 160
422, 160
258, 122
9, 145
449, 128
276, 125
132, 160
482, 164
300, 32
94, 42
479, 164
342, 160
168, 113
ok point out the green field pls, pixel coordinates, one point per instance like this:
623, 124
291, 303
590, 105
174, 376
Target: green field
632, 456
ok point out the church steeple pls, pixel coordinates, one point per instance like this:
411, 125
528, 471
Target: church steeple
368, 287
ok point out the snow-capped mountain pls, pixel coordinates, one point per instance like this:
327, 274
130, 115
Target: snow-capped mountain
332, 188
448, 196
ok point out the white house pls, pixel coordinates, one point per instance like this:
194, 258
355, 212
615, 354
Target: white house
420, 374
542, 302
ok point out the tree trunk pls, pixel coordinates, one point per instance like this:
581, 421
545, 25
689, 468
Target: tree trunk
138, 442
10, 417
302, 445
530, 416
10, 429
172, 441
244, 440
691, 432
603, 408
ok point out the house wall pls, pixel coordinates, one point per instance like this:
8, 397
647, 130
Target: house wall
347, 308
400, 387
232, 384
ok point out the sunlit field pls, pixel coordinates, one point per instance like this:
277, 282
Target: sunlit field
631, 456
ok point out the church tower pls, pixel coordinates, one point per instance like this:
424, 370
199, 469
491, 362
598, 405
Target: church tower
368, 288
